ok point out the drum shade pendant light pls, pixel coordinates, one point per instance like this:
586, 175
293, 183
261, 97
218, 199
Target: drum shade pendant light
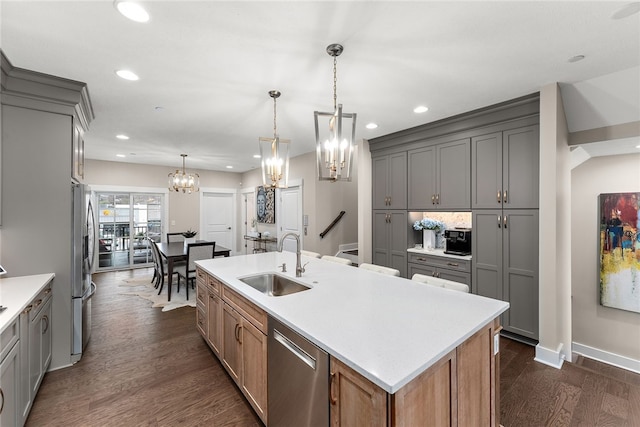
335, 136
180, 180
275, 154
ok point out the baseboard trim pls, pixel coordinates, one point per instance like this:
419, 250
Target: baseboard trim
553, 358
609, 358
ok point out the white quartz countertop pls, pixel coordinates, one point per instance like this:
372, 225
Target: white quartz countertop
17, 292
437, 252
388, 329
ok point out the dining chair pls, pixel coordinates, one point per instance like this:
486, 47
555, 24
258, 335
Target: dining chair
310, 254
160, 266
195, 252
440, 283
380, 269
175, 237
336, 259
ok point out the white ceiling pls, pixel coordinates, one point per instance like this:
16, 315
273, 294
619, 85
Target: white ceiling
210, 64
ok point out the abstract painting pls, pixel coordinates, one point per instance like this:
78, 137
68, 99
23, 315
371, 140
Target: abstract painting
266, 205
620, 251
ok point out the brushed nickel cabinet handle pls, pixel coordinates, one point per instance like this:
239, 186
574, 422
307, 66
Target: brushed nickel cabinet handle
433, 199
498, 197
47, 291
2, 396
504, 221
499, 221
437, 198
453, 264
332, 399
421, 259
27, 309
504, 196
45, 319
37, 304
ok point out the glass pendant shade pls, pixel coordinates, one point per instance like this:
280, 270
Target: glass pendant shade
275, 162
275, 154
180, 180
335, 133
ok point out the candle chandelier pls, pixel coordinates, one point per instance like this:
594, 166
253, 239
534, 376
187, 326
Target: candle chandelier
334, 143
275, 154
180, 180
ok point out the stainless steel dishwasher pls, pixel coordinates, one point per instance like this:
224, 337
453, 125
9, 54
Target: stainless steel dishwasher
298, 379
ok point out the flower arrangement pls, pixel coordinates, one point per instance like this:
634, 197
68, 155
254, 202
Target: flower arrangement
189, 233
428, 224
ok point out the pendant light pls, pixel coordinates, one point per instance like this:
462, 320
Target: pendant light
275, 154
180, 180
334, 142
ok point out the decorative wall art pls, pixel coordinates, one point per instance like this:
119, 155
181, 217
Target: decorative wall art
620, 251
266, 205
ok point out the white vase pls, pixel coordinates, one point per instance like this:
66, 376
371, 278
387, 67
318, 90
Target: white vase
428, 239
188, 240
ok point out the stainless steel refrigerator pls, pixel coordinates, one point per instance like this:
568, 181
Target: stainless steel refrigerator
82, 287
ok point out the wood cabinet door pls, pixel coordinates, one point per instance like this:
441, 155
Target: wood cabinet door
520, 275
521, 167
475, 400
421, 179
231, 351
214, 320
486, 171
355, 401
454, 175
254, 367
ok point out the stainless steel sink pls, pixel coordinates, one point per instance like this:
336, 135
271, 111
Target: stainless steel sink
273, 284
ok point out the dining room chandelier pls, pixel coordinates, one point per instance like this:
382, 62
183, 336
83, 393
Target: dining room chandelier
275, 154
180, 180
334, 143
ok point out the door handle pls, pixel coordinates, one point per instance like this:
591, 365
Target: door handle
504, 196
504, 221
499, 222
498, 197
295, 349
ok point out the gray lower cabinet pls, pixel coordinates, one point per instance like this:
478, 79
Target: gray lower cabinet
10, 362
439, 176
389, 183
457, 270
390, 230
505, 169
505, 264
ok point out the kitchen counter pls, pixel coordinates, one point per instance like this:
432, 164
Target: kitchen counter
388, 329
438, 252
16, 292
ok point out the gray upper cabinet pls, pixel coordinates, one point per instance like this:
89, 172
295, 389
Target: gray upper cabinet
390, 181
505, 169
390, 230
505, 265
439, 176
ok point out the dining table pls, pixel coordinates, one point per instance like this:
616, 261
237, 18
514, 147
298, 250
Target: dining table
177, 251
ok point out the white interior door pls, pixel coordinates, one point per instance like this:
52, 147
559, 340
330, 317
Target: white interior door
217, 218
289, 216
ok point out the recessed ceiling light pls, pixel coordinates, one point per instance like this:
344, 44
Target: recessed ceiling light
421, 109
158, 108
122, 136
371, 126
120, 155
229, 167
626, 10
132, 10
127, 75
576, 58
256, 156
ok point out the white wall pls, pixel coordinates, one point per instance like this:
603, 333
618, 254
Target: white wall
607, 331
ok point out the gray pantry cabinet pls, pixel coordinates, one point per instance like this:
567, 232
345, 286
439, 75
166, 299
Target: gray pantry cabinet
390, 181
390, 230
439, 176
505, 264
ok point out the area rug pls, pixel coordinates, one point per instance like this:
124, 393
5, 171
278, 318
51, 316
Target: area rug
144, 289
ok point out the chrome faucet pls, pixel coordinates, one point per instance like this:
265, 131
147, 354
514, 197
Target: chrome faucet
299, 268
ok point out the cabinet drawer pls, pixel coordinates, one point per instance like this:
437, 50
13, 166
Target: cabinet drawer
201, 276
201, 293
441, 262
201, 319
248, 310
40, 300
214, 285
8, 338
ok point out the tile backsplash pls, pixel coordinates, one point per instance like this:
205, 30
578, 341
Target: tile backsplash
450, 220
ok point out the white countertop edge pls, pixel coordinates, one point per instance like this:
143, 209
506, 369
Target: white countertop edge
17, 292
231, 279
438, 252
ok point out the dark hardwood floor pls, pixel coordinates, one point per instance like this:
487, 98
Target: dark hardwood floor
144, 367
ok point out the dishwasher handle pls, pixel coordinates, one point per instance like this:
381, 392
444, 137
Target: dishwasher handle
295, 349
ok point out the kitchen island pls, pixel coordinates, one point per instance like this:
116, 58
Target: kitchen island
407, 345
